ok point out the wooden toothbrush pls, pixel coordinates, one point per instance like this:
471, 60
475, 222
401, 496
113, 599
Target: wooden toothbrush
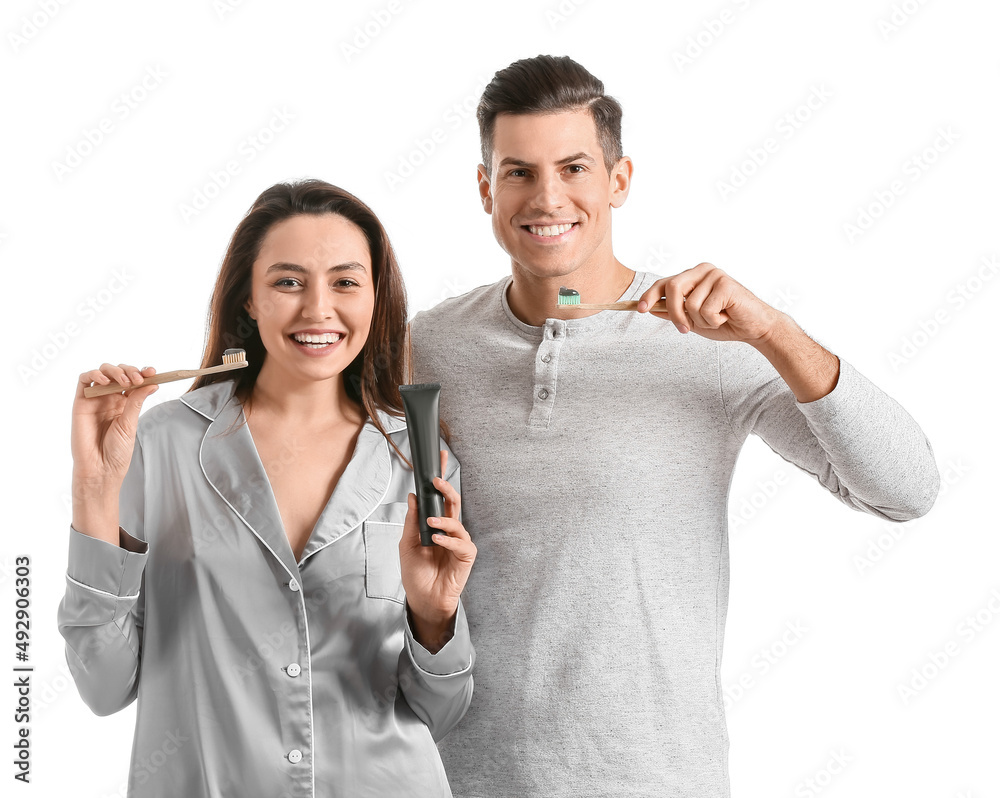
571, 297
231, 359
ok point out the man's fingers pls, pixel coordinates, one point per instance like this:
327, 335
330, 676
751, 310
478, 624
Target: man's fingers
651, 296
673, 294
694, 302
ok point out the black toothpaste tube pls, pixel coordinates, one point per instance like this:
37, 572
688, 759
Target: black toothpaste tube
420, 403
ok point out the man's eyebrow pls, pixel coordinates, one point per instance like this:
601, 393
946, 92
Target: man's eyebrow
579, 156
281, 266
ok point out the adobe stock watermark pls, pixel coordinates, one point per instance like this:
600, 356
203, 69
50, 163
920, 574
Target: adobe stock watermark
762, 663
899, 15
224, 8
933, 324
424, 147
893, 533
245, 152
560, 12
708, 33
913, 169
365, 33
939, 659
655, 259
819, 781
51, 689
786, 127
146, 767
87, 311
765, 490
31, 25
122, 107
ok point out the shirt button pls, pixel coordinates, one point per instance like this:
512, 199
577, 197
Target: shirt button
543, 394
546, 358
295, 756
293, 586
294, 669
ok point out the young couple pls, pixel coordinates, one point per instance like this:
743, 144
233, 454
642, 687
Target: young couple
245, 561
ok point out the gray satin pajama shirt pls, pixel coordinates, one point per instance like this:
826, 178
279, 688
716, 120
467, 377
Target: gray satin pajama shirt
257, 675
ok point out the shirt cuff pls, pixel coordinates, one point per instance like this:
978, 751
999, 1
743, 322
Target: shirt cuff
454, 658
105, 568
843, 403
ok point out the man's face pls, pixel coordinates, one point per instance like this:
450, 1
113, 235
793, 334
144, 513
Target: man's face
550, 194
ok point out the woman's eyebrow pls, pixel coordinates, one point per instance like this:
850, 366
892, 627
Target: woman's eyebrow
281, 266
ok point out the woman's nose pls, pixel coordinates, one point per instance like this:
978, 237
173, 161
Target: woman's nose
317, 303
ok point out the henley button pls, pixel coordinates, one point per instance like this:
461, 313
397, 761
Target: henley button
295, 756
546, 358
294, 669
543, 394
293, 586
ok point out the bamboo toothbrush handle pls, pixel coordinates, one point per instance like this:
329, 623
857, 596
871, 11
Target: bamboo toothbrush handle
156, 379
632, 304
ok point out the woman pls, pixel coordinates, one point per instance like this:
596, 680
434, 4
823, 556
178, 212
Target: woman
235, 555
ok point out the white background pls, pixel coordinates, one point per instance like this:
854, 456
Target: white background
101, 261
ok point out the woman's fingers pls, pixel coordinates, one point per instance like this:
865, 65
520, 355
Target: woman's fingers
449, 526
463, 549
453, 501
124, 374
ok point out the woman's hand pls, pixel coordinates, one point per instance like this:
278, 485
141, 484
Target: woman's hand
102, 439
434, 576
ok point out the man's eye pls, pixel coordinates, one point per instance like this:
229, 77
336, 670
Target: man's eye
517, 173
575, 168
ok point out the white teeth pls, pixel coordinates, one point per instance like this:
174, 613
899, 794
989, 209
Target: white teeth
550, 230
318, 340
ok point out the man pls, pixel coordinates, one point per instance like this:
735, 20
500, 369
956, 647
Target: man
597, 450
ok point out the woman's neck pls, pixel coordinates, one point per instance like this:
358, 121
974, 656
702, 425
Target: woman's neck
314, 404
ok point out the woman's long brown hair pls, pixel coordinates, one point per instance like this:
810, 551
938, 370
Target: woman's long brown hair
374, 377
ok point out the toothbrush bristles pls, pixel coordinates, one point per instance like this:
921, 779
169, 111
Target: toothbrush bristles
568, 296
233, 356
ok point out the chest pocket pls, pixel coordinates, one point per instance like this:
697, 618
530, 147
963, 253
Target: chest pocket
382, 574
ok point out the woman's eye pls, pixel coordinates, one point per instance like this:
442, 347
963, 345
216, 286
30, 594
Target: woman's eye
345, 283
286, 282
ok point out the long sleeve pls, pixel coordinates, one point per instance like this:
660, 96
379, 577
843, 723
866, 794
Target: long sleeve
101, 613
438, 687
858, 442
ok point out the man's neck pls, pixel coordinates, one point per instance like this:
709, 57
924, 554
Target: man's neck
533, 299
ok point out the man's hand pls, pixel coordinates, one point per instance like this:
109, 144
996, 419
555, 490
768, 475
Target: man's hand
707, 301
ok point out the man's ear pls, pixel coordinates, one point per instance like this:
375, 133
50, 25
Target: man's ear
621, 181
485, 190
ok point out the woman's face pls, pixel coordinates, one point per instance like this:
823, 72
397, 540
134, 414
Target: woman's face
312, 295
